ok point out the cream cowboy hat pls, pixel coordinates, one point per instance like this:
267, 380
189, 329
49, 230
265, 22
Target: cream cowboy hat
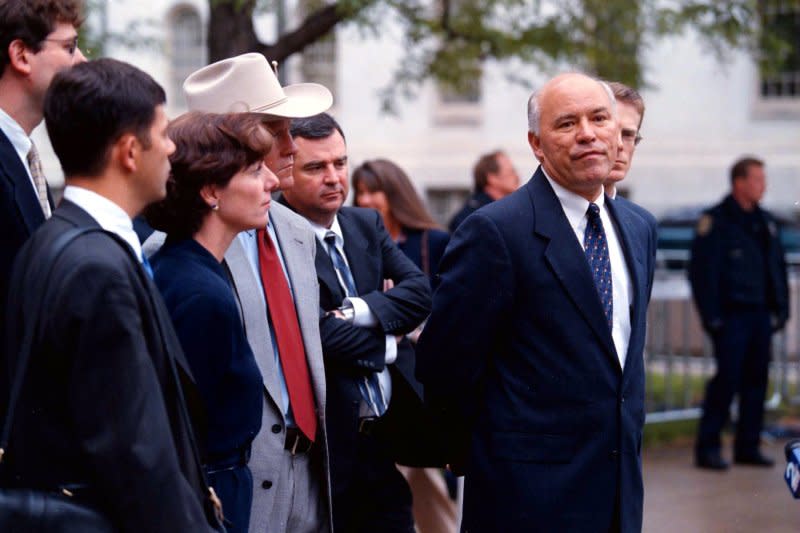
246, 83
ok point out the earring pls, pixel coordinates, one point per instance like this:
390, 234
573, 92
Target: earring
215, 207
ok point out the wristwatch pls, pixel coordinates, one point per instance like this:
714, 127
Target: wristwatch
348, 312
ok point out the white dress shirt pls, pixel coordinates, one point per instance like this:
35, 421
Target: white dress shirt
20, 141
109, 215
363, 315
575, 207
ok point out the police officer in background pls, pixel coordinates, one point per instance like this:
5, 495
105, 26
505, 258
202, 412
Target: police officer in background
738, 278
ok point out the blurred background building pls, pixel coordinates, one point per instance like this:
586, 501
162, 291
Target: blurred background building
701, 113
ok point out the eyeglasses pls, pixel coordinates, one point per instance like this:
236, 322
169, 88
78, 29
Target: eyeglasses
631, 137
70, 44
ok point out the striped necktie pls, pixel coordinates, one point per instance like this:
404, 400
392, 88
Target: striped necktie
35, 166
369, 386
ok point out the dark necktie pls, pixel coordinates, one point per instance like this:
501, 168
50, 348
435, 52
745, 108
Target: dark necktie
147, 266
287, 334
369, 386
596, 248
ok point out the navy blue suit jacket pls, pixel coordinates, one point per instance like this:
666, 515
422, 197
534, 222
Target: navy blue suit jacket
519, 361
425, 249
20, 213
349, 351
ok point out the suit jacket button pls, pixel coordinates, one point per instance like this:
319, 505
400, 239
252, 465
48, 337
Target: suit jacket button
614, 454
276, 428
266, 484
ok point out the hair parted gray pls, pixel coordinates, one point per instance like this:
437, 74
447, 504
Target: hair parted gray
534, 111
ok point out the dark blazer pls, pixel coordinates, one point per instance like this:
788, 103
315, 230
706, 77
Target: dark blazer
518, 359
473, 203
732, 269
425, 248
20, 214
202, 303
652, 241
351, 351
102, 402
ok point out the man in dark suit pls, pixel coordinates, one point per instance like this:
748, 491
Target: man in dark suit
362, 314
494, 178
37, 39
533, 352
102, 411
630, 114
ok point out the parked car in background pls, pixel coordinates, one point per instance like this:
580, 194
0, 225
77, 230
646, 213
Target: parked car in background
676, 232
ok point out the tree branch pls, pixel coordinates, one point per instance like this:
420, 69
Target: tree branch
314, 27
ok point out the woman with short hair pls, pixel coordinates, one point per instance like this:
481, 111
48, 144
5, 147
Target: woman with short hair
218, 187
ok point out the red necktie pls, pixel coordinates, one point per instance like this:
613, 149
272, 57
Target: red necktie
287, 334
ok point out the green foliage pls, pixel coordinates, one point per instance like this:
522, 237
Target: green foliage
450, 40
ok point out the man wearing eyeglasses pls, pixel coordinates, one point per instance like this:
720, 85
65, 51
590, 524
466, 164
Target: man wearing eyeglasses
38, 38
630, 114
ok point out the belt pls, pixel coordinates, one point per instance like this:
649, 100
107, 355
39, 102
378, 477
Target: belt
366, 425
297, 442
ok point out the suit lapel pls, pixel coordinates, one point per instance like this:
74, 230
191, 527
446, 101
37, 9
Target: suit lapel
327, 277
255, 316
359, 258
77, 216
292, 239
24, 196
636, 270
566, 258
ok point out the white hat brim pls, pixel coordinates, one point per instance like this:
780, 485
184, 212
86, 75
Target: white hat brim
302, 100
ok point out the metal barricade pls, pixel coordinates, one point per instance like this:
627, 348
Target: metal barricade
678, 355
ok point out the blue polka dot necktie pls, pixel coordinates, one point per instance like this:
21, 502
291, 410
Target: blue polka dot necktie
596, 248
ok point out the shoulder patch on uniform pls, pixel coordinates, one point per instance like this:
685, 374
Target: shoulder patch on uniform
773, 228
704, 225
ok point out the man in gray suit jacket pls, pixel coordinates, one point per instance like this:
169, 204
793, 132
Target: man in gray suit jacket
290, 468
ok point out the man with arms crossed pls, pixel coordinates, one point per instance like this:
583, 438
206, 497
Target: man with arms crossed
533, 352
366, 374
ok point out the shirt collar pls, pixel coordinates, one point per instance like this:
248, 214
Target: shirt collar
16, 135
109, 215
321, 231
574, 205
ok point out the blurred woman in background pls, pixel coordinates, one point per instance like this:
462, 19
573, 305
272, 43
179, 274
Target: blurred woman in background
218, 187
385, 187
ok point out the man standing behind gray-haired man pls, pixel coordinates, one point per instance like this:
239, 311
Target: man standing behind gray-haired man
533, 352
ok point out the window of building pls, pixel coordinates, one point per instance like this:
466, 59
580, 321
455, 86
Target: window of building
187, 49
779, 86
444, 203
458, 106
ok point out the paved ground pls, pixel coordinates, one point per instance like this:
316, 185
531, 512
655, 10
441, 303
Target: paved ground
681, 498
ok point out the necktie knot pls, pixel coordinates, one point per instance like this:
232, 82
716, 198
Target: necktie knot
593, 212
330, 238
